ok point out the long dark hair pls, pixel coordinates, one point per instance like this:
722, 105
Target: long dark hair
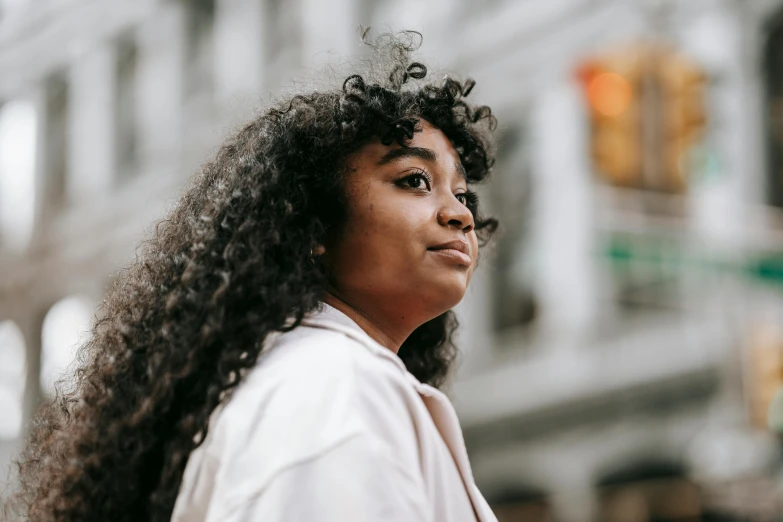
229, 265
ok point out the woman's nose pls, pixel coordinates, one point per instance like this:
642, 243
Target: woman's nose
455, 214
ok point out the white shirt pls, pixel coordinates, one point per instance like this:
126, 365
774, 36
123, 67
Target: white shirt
330, 426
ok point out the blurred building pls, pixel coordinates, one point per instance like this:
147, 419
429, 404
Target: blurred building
635, 303
620, 341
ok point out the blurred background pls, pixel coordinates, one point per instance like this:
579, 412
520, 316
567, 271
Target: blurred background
621, 343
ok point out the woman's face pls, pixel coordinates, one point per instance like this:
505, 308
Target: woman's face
409, 246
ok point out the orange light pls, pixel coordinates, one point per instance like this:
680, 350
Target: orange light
609, 94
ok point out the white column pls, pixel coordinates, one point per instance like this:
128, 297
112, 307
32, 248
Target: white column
329, 31
561, 228
42, 180
240, 38
160, 74
714, 40
19, 140
91, 165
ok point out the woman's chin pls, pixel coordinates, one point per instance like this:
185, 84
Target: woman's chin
446, 296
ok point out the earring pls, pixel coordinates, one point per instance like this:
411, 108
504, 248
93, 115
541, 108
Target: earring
317, 251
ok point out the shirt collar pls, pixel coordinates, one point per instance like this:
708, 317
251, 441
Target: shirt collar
443, 414
330, 318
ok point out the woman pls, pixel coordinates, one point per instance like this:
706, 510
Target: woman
296, 303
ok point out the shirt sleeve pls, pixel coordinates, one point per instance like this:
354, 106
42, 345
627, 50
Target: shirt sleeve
357, 480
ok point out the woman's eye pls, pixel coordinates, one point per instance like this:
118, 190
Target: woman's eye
416, 181
469, 199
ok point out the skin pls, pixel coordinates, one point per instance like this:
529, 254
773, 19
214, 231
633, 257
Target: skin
385, 274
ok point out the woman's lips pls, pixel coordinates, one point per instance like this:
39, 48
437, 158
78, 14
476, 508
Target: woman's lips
453, 255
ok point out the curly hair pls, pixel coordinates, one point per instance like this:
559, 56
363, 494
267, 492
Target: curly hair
183, 324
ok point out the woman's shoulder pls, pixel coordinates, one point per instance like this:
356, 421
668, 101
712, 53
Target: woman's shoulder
314, 390
311, 388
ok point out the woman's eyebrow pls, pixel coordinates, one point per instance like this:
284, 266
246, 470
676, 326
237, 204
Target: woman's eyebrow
421, 153
461, 170
403, 152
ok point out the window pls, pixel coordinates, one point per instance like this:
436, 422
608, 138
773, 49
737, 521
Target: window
275, 42
18, 128
515, 304
200, 25
648, 272
13, 375
56, 139
284, 41
126, 120
649, 491
513, 504
64, 329
773, 72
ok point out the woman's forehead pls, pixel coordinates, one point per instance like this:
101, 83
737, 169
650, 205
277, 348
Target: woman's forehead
429, 143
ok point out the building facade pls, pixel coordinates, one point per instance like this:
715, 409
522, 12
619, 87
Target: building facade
609, 367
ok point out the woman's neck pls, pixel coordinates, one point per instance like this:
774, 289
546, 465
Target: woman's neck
386, 335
